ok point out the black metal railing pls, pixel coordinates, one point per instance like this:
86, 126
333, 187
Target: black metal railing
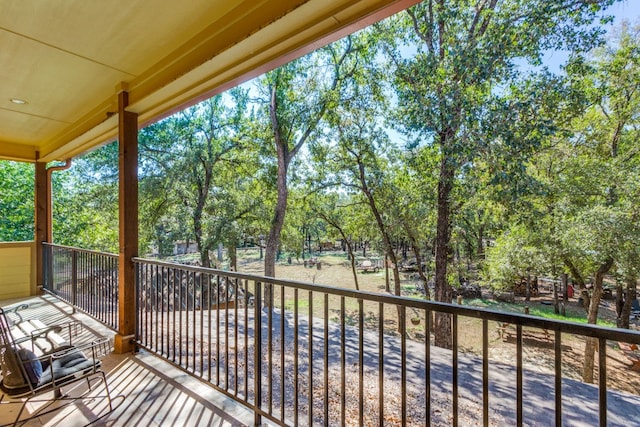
323, 355
85, 279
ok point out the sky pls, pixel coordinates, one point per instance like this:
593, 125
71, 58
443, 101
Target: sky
626, 9
623, 10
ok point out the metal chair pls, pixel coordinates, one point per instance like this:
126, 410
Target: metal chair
42, 337
30, 377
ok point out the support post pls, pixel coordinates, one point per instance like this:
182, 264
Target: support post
128, 224
44, 215
41, 222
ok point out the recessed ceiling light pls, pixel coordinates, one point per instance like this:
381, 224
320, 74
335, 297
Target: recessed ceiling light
18, 101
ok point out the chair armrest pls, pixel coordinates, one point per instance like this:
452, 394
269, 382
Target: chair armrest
73, 328
95, 349
16, 311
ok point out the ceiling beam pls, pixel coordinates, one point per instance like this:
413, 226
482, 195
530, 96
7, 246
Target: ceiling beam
251, 39
18, 152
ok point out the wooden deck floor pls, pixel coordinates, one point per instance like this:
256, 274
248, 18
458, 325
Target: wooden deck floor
145, 390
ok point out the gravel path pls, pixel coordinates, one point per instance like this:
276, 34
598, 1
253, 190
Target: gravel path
579, 400
330, 401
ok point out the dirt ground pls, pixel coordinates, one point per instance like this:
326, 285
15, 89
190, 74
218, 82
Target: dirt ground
538, 351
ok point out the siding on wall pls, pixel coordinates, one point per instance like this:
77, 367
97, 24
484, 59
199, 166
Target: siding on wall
17, 270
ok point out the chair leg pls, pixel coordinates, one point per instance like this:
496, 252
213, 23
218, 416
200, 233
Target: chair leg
24, 405
57, 392
106, 387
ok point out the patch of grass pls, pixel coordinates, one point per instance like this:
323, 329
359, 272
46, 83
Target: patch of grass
495, 305
546, 312
303, 304
332, 258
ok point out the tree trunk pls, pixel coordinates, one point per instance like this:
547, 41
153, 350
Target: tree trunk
233, 257
480, 248
590, 345
273, 239
346, 245
386, 238
630, 295
619, 304
197, 229
416, 250
354, 270
282, 154
387, 286
205, 259
579, 282
443, 291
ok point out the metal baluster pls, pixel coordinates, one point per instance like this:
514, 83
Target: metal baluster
209, 326
427, 370
519, 393
485, 372
343, 401
246, 338
155, 311
193, 323
454, 339
558, 377
360, 362
381, 364
257, 352
269, 303
282, 354
296, 356
182, 309
310, 357
235, 335
200, 285
602, 379
226, 335
218, 330
403, 364
326, 359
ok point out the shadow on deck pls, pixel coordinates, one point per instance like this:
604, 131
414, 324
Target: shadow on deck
146, 391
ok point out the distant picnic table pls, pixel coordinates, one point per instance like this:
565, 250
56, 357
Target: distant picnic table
311, 262
367, 266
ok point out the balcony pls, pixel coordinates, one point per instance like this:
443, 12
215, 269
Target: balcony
208, 350
146, 390
321, 355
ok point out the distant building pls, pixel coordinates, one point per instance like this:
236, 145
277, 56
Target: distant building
180, 247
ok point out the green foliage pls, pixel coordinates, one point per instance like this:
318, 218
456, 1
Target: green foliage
197, 175
514, 255
16, 201
85, 202
588, 180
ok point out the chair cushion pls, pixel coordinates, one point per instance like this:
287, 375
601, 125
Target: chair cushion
32, 365
69, 363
